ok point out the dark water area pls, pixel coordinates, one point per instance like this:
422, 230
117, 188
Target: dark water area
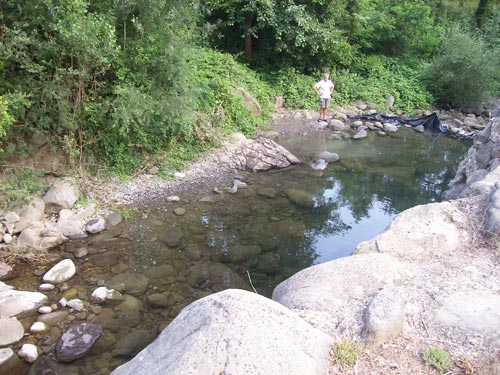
282, 222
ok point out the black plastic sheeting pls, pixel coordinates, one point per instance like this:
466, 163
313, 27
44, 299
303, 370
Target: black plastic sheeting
430, 122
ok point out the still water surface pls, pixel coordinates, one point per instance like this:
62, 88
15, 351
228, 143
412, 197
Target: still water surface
284, 221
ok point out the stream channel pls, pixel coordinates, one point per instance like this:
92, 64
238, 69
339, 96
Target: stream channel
282, 222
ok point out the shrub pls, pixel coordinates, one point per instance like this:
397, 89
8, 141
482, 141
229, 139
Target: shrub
462, 74
437, 358
345, 353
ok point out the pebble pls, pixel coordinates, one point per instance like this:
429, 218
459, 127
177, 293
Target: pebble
45, 310
173, 198
45, 287
28, 352
39, 327
75, 304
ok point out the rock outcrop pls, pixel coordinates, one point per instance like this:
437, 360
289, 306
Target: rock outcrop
234, 332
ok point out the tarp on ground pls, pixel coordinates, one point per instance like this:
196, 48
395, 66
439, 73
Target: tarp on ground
430, 122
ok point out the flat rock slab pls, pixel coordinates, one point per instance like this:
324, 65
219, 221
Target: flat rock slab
234, 332
20, 303
477, 312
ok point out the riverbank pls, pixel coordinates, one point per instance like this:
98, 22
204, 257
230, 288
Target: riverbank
446, 274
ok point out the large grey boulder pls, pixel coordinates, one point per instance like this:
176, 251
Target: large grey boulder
492, 220
249, 101
60, 196
434, 229
234, 332
384, 316
29, 214
256, 155
332, 295
42, 236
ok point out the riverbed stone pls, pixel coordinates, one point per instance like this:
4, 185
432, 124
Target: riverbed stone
105, 260
328, 156
28, 352
96, 225
77, 341
11, 331
44, 237
61, 272
53, 318
360, 133
20, 303
172, 237
7, 272
130, 311
133, 343
239, 253
10, 363
46, 365
130, 283
160, 272
39, 327
107, 319
61, 195
113, 219
195, 343
217, 275
384, 316
71, 229
300, 198
103, 294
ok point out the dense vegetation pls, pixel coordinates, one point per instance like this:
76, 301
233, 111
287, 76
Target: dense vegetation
118, 82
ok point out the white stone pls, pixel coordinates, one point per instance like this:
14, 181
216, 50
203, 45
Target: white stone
11, 331
45, 310
28, 352
95, 225
61, 272
75, 304
173, 198
7, 238
45, 287
20, 303
39, 327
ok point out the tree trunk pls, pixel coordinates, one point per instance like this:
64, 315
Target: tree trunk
248, 39
480, 11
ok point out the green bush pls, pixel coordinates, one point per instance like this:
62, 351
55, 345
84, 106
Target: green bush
437, 358
373, 78
216, 76
295, 87
345, 353
463, 72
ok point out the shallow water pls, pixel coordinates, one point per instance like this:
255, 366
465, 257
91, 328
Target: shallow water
283, 222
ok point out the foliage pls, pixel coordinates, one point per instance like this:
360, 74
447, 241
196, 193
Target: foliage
374, 78
277, 34
295, 87
18, 186
6, 119
345, 352
217, 76
437, 358
463, 72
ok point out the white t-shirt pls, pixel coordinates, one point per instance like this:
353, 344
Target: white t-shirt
324, 88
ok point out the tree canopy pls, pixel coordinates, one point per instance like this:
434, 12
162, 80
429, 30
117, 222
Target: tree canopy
113, 81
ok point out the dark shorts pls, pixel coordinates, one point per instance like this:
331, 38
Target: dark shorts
323, 103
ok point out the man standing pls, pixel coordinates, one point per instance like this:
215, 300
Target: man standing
324, 89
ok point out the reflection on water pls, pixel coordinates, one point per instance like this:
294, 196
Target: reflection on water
284, 221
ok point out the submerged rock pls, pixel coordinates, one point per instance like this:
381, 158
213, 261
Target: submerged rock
77, 341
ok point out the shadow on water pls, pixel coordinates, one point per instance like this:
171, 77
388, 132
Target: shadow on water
283, 222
